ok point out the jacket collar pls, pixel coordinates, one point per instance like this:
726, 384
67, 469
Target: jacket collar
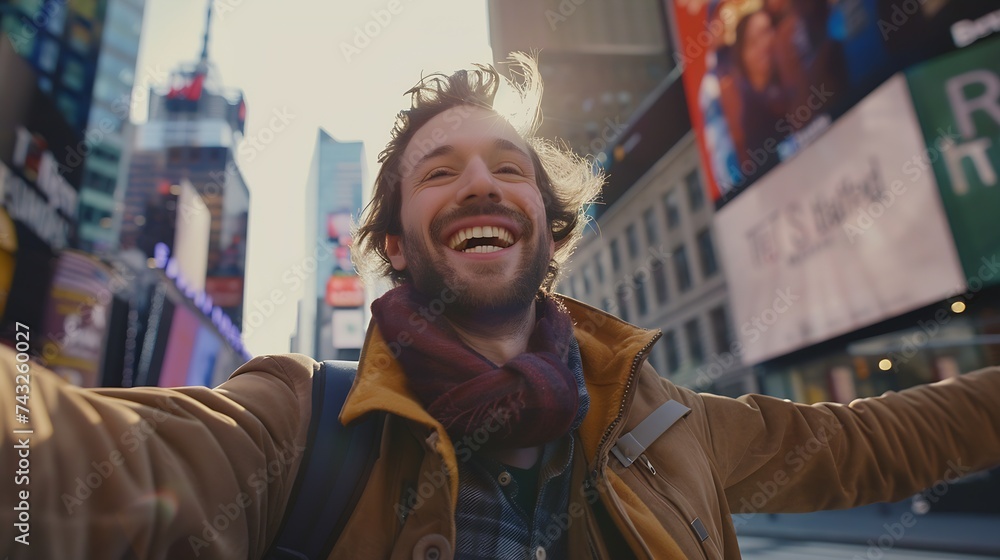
611, 351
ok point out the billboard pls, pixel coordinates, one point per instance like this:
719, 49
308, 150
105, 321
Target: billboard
192, 351
348, 328
957, 99
847, 234
180, 345
344, 290
764, 79
338, 227
76, 318
225, 291
8, 254
192, 225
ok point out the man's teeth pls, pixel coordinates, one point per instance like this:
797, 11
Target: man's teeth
499, 238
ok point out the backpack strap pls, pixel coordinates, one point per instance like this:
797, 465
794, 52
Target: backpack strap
334, 470
630, 446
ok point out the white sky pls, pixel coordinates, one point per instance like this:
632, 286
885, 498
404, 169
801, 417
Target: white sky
287, 56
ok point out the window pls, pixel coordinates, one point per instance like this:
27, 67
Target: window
659, 269
632, 238
74, 76
706, 253
640, 292
651, 358
720, 329
585, 272
673, 357
696, 194
621, 293
681, 268
616, 260
599, 265
695, 348
649, 219
606, 304
673, 208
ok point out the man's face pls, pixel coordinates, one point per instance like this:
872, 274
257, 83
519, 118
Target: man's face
473, 219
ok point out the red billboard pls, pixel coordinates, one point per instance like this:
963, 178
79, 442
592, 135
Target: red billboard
226, 291
344, 290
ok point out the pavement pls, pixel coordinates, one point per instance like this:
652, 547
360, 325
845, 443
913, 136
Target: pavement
878, 532
763, 548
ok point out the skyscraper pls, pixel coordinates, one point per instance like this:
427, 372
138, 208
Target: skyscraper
331, 318
61, 39
195, 127
107, 127
599, 60
48, 52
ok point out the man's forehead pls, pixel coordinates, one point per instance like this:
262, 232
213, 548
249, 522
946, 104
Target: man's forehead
459, 126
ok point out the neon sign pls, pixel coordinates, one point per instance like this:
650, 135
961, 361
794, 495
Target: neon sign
219, 318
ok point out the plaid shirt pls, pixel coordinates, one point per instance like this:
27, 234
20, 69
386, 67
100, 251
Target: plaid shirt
489, 522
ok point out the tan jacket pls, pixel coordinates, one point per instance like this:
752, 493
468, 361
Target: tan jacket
200, 473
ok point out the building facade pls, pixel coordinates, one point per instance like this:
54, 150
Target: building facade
194, 130
650, 259
332, 316
598, 61
107, 134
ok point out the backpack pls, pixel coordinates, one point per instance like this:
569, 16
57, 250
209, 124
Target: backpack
334, 469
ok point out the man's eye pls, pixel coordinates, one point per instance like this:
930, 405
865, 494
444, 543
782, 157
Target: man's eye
509, 170
440, 172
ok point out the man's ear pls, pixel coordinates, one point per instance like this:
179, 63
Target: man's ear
394, 250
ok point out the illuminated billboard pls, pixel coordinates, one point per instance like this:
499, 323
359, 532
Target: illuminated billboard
847, 234
76, 318
764, 79
957, 98
345, 290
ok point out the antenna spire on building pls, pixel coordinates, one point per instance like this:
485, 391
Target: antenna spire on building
208, 27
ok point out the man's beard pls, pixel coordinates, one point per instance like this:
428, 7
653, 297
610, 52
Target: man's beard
477, 295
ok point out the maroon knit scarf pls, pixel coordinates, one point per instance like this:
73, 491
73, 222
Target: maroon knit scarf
528, 401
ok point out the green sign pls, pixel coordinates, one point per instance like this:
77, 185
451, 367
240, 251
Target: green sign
957, 98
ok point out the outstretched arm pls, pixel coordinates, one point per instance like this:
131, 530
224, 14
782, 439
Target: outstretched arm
829, 456
149, 472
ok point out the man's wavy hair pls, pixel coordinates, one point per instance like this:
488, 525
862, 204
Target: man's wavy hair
567, 181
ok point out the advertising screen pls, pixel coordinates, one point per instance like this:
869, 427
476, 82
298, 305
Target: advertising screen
76, 318
848, 233
203, 357
957, 98
345, 290
765, 78
348, 328
180, 347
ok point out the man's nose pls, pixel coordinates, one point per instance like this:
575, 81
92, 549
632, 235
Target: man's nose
478, 183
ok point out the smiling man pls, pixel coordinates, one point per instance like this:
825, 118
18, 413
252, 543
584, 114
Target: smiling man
515, 423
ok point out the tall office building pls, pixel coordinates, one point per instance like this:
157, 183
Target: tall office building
61, 39
48, 52
598, 59
194, 128
107, 128
332, 314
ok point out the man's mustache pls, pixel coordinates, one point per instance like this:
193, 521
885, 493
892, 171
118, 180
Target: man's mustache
485, 208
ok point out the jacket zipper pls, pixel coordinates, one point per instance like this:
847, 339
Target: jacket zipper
628, 387
680, 513
611, 428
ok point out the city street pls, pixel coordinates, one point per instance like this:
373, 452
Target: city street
761, 548
875, 532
